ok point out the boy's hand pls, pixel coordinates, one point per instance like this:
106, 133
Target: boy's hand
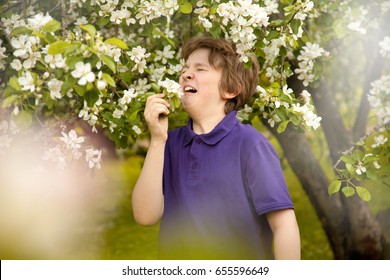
156, 110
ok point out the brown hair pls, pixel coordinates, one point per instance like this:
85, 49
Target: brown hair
236, 77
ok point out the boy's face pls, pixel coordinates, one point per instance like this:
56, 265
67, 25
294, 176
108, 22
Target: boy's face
200, 84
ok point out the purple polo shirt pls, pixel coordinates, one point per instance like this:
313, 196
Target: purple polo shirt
217, 188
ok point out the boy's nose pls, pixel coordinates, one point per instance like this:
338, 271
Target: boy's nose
187, 75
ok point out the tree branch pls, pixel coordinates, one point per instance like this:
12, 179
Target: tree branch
373, 72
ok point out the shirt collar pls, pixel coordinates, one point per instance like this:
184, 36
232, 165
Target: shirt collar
214, 136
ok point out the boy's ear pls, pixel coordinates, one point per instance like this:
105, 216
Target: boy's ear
229, 95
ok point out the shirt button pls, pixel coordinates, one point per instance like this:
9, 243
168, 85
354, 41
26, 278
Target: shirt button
194, 166
198, 140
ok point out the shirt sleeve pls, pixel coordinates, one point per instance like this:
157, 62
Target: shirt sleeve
265, 180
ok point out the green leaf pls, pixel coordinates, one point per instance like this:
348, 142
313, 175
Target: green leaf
348, 191
102, 22
347, 159
91, 97
39, 34
158, 32
276, 23
57, 47
109, 61
282, 126
23, 119
350, 169
185, 8
72, 60
20, 30
68, 84
108, 79
358, 154
295, 24
90, 29
9, 101
215, 31
273, 34
79, 90
14, 83
52, 26
74, 47
339, 28
363, 193
48, 101
133, 115
123, 142
117, 42
334, 187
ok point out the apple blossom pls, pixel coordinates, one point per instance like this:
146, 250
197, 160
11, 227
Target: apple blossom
55, 88
84, 72
93, 157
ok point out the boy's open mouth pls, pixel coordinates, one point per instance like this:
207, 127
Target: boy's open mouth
189, 89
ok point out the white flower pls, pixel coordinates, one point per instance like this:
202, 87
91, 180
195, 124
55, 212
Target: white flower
117, 113
56, 155
138, 53
119, 15
379, 140
142, 86
244, 113
385, 47
93, 157
71, 140
15, 111
81, 21
31, 60
27, 81
101, 83
306, 59
306, 111
39, 20
305, 96
55, 88
136, 129
273, 119
376, 165
2, 55
171, 87
271, 6
56, 61
22, 46
128, 95
83, 71
379, 99
165, 54
360, 169
16, 64
357, 20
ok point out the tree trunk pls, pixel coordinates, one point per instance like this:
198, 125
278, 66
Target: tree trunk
314, 182
351, 229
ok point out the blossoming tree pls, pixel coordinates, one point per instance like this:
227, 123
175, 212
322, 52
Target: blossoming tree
94, 62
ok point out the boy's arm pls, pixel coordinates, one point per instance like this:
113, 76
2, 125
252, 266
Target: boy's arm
147, 197
284, 226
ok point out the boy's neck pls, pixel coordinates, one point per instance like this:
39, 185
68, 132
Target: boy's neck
206, 123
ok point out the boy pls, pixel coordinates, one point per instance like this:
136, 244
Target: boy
216, 184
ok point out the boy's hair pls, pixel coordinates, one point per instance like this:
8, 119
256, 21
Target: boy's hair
236, 77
